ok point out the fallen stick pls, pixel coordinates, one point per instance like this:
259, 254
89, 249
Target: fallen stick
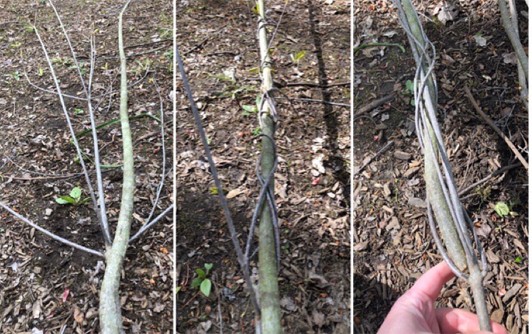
495, 128
311, 84
374, 104
381, 151
486, 179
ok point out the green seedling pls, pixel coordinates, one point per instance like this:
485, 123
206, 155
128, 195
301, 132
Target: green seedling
61, 61
82, 68
502, 209
251, 109
257, 131
169, 55
74, 198
41, 71
165, 33
226, 76
28, 27
202, 281
518, 260
142, 66
78, 111
409, 90
296, 58
15, 75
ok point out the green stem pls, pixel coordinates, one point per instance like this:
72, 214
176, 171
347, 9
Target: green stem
110, 311
268, 271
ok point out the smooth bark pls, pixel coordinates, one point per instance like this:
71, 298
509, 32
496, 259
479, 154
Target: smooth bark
110, 310
268, 271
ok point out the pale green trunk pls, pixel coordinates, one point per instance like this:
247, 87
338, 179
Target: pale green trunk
110, 310
268, 271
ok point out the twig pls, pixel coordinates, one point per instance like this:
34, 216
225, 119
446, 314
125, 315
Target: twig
374, 104
69, 123
381, 151
50, 234
312, 84
163, 149
147, 44
50, 177
487, 178
372, 45
51, 91
102, 214
326, 102
200, 44
214, 172
488, 120
150, 224
513, 36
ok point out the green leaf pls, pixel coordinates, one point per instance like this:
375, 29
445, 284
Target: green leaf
208, 266
257, 131
205, 287
502, 209
213, 190
249, 109
41, 71
518, 260
196, 282
299, 55
76, 193
177, 289
254, 70
65, 200
78, 111
255, 9
409, 86
201, 273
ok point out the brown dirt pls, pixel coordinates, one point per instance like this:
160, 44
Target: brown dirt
393, 244
45, 285
314, 218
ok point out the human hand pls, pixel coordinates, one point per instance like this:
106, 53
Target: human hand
415, 313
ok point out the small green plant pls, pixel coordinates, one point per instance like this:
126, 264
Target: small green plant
251, 109
28, 27
15, 75
74, 198
169, 55
518, 260
82, 67
41, 71
142, 66
226, 76
409, 91
62, 61
502, 209
296, 58
165, 33
257, 131
78, 111
202, 281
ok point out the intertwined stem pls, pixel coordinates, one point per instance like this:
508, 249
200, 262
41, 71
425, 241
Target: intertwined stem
268, 271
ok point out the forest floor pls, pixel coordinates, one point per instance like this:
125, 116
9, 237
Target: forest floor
48, 287
220, 50
393, 244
